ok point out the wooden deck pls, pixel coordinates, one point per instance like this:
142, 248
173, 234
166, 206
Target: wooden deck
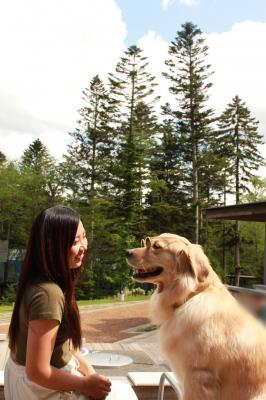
146, 357
4, 352
151, 350
147, 348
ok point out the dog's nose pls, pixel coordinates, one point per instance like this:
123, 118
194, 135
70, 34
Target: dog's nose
129, 253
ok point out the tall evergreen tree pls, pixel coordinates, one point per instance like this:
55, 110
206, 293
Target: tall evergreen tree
132, 87
43, 174
239, 138
90, 156
167, 199
90, 153
189, 75
2, 158
36, 157
14, 206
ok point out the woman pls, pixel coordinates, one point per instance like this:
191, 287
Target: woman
45, 333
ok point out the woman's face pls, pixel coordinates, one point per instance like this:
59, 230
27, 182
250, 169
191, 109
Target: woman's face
78, 248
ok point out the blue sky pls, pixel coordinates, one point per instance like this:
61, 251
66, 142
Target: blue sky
210, 15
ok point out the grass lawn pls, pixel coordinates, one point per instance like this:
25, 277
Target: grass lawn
8, 308
5, 308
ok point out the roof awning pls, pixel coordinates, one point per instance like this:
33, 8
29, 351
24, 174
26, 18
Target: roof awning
241, 212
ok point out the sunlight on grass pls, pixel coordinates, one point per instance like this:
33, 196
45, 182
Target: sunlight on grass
107, 300
6, 308
147, 328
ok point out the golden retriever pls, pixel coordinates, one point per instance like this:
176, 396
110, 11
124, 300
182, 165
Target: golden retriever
215, 347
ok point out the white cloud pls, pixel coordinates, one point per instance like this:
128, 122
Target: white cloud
238, 58
50, 49
189, 2
156, 50
167, 3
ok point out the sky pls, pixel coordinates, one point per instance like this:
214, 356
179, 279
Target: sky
51, 49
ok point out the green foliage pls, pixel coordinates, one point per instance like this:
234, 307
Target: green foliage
9, 294
132, 88
132, 172
220, 248
148, 328
238, 140
27, 187
2, 158
188, 73
138, 291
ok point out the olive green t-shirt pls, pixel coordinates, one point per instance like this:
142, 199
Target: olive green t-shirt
43, 301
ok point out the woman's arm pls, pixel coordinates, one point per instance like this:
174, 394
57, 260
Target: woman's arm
84, 366
40, 345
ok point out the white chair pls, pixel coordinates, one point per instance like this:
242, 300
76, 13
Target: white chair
166, 376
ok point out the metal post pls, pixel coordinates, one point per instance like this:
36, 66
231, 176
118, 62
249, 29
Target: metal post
173, 382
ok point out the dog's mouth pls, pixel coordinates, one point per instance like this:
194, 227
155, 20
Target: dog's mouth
145, 273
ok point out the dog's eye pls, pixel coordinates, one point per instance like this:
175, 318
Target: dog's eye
156, 245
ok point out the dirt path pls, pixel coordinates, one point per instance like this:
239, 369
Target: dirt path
107, 324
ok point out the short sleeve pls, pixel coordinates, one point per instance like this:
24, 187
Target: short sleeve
46, 302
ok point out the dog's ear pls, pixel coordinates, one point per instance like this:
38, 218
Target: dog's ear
147, 242
194, 261
158, 244
184, 262
199, 262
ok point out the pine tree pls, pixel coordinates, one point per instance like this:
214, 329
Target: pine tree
14, 206
90, 153
89, 160
132, 87
167, 198
36, 157
42, 174
189, 75
2, 158
239, 139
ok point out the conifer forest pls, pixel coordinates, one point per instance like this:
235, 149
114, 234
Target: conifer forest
135, 167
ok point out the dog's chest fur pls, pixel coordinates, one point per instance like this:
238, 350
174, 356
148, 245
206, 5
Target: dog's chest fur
206, 335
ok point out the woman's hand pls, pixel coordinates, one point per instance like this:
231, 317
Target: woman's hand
40, 344
96, 386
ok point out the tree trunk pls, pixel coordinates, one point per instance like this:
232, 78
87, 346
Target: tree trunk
92, 192
195, 177
237, 241
224, 236
195, 190
237, 255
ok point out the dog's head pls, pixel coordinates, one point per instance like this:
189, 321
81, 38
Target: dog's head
171, 262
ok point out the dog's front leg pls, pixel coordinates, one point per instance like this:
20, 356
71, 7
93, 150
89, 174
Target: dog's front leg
201, 384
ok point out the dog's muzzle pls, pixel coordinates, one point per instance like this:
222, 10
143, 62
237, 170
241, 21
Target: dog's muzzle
143, 274
129, 253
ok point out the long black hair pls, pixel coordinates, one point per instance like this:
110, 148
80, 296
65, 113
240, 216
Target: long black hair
52, 235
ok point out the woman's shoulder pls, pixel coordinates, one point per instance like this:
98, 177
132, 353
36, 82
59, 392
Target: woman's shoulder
45, 299
48, 288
